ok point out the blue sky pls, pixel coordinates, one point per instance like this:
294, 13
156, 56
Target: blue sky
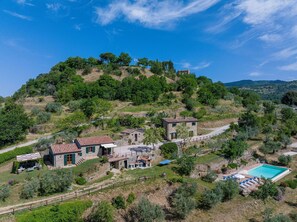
226, 40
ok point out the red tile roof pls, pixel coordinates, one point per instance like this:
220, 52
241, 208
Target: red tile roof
64, 148
97, 140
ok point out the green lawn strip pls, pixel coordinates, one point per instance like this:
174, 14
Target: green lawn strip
207, 158
87, 166
155, 171
68, 211
213, 117
7, 175
4, 157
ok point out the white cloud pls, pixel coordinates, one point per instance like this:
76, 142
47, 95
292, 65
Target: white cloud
270, 38
256, 12
290, 67
201, 65
24, 2
17, 15
151, 13
255, 74
77, 27
54, 6
285, 53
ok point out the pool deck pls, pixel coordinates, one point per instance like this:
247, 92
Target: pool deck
244, 172
274, 179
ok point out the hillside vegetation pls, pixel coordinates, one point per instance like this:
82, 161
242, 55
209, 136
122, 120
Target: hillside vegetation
107, 91
272, 90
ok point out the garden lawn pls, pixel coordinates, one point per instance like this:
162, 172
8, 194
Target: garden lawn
207, 158
155, 171
7, 175
86, 167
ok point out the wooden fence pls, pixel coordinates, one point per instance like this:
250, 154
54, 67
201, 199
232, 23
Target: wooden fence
68, 196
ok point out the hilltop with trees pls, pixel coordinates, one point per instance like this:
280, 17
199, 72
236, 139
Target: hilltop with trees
79, 91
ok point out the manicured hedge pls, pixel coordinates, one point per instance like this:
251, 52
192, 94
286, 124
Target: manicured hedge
69, 211
12, 154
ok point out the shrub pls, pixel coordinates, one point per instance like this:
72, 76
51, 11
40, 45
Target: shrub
209, 199
291, 183
117, 72
35, 111
80, 180
119, 202
177, 180
131, 121
278, 218
131, 197
74, 105
30, 188
284, 159
12, 182
133, 71
169, 150
200, 113
15, 166
87, 70
145, 211
4, 192
268, 189
43, 144
232, 165
54, 107
12, 154
55, 182
104, 212
229, 189
185, 165
182, 200
68, 211
43, 117
103, 160
210, 177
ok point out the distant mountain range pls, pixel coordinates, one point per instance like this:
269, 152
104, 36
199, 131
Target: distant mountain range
268, 89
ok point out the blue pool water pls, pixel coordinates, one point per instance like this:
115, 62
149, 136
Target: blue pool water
266, 171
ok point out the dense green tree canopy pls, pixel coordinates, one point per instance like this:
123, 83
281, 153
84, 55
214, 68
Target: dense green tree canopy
234, 149
14, 123
290, 98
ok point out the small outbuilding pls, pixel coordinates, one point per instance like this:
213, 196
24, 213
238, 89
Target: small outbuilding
133, 136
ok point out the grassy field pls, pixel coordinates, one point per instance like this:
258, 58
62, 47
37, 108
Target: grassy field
207, 158
86, 167
155, 171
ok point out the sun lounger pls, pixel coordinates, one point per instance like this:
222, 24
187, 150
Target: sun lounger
244, 184
251, 180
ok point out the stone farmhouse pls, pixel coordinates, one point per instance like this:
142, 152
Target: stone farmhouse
170, 125
62, 155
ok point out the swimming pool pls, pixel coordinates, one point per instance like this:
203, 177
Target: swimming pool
269, 172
